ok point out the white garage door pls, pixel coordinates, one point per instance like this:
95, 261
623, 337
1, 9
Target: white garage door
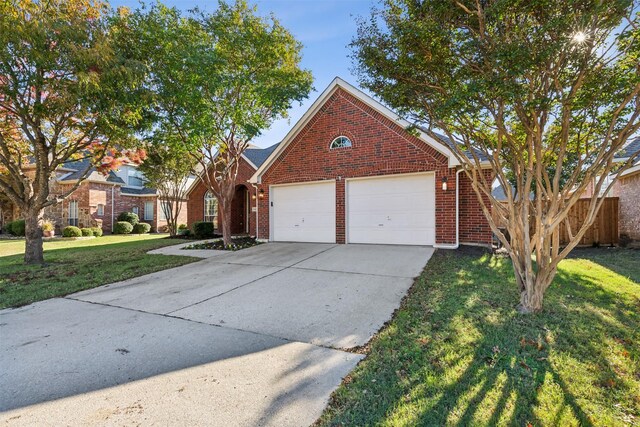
397, 210
304, 212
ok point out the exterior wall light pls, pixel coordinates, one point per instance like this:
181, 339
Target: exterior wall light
444, 183
261, 194
253, 197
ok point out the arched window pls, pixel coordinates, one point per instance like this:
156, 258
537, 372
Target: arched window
211, 209
340, 142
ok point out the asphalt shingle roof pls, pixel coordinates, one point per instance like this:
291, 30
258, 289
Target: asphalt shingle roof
631, 148
446, 141
258, 156
138, 191
79, 166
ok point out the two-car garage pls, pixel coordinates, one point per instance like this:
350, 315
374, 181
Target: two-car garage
391, 209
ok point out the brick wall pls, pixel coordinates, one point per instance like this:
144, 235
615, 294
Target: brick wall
474, 227
629, 206
88, 195
195, 203
182, 217
126, 203
91, 194
380, 147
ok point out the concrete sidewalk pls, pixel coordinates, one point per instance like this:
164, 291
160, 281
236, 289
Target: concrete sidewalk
254, 337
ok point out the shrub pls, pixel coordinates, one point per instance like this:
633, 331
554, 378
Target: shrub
122, 227
71, 231
203, 230
183, 227
7, 227
141, 228
87, 232
97, 231
129, 217
16, 227
48, 226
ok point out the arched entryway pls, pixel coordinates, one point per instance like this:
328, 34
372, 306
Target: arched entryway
240, 210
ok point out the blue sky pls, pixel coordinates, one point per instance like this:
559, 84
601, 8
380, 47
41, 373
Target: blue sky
324, 27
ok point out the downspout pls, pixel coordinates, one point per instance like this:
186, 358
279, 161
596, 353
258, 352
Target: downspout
113, 187
457, 244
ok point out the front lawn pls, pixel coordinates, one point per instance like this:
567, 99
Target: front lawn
75, 265
458, 354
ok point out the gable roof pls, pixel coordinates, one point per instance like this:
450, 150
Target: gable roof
336, 84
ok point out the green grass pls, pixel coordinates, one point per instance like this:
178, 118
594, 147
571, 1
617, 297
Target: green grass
458, 354
75, 265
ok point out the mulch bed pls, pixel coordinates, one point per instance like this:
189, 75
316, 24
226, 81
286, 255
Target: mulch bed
236, 245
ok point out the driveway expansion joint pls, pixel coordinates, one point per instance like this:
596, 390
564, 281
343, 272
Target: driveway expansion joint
281, 268
215, 325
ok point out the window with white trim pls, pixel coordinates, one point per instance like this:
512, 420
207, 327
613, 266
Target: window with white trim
211, 209
135, 210
100, 210
148, 211
73, 212
340, 142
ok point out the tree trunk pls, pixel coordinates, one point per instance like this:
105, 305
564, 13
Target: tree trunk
33, 253
531, 295
226, 223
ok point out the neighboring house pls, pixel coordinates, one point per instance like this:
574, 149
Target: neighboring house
350, 172
624, 193
100, 199
628, 193
627, 190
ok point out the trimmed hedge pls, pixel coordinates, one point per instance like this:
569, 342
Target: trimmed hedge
71, 231
203, 230
129, 217
87, 232
97, 231
141, 228
122, 227
16, 228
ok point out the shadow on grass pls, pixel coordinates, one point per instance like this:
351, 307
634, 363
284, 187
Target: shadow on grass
458, 353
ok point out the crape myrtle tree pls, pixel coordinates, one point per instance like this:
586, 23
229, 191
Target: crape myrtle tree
64, 95
546, 90
219, 79
167, 168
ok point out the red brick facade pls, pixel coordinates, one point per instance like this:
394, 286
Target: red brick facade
380, 147
90, 195
239, 208
474, 227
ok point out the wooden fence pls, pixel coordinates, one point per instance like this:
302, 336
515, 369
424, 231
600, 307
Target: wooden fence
603, 231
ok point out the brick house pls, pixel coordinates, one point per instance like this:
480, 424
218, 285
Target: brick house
628, 193
350, 172
203, 206
99, 199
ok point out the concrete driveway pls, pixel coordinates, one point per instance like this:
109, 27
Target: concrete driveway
256, 337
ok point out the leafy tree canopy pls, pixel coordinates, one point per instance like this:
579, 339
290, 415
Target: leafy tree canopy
545, 90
